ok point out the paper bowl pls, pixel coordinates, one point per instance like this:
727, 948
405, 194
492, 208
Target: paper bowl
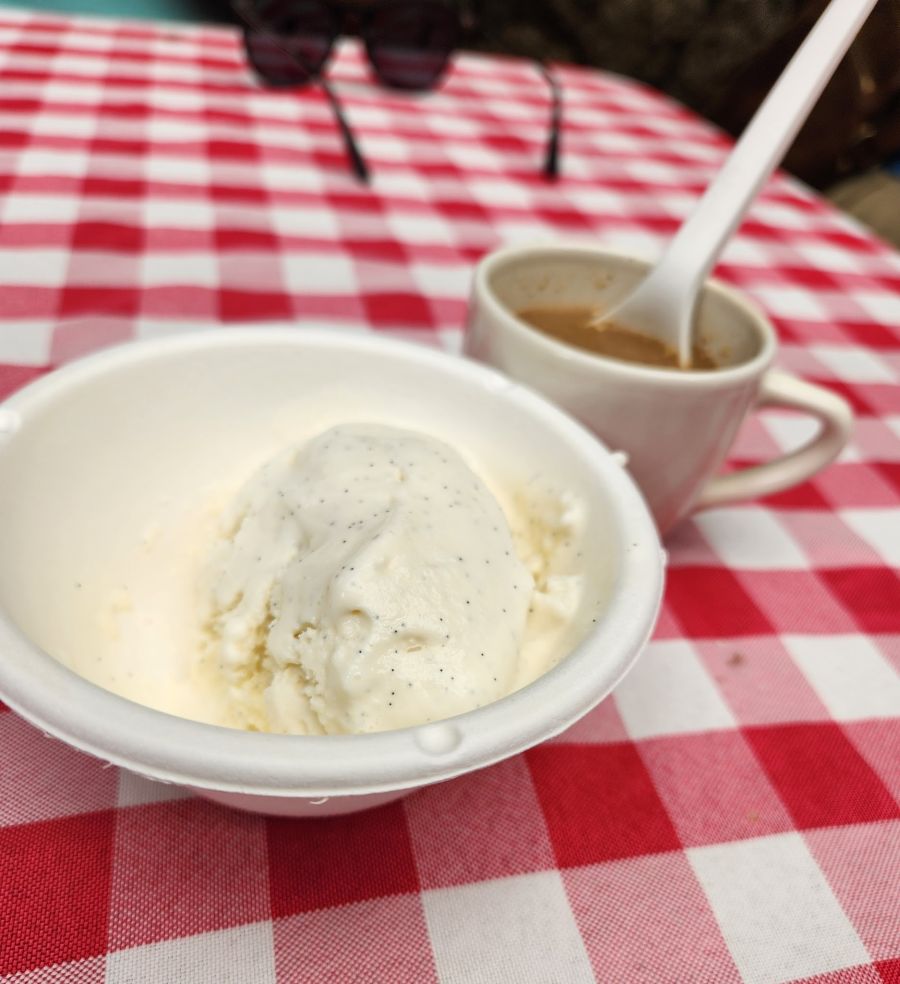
94, 455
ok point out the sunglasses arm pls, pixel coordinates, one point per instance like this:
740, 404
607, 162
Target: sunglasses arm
551, 162
245, 11
357, 161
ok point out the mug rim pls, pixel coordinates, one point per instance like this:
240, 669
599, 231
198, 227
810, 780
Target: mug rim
718, 378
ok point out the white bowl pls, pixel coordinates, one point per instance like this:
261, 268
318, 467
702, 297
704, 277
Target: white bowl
97, 452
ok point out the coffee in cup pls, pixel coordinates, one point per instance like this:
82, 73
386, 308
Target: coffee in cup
583, 327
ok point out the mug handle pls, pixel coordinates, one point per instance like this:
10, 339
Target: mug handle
780, 389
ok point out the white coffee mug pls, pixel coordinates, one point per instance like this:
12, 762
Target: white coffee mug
676, 427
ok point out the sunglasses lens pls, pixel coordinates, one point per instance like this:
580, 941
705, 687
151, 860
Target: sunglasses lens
295, 44
410, 43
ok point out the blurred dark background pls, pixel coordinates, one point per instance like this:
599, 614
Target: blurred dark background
720, 57
717, 56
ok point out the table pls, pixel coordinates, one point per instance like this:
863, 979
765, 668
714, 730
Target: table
731, 812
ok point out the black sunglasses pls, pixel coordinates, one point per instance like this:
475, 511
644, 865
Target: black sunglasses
409, 44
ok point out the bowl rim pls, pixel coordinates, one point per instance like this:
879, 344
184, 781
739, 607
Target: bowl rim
163, 747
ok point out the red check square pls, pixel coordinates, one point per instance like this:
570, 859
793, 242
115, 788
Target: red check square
81, 336
807, 495
249, 305
796, 601
855, 484
860, 974
28, 301
889, 971
334, 861
168, 882
734, 613
890, 472
89, 302
180, 300
104, 186
89, 971
233, 150
873, 335
41, 234
246, 239
54, 893
877, 742
862, 864
760, 681
113, 236
827, 540
635, 932
15, 377
820, 776
884, 397
383, 939
397, 309
713, 787
599, 803
872, 596
485, 825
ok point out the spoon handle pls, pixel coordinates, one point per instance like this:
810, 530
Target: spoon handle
678, 276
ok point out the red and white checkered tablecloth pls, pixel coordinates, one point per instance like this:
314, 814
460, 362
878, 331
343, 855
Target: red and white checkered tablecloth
731, 812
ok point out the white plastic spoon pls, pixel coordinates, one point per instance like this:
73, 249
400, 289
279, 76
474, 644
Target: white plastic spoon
662, 305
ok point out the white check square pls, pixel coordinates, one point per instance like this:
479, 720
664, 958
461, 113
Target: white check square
35, 160
669, 692
750, 538
511, 929
39, 209
880, 528
827, 257
452, 340
879, 305
34, 267
134, 790
419, 227
88, 65
849, 674
775, 909
173, 213
791, 302
60, 124
177, 170
93, 40
320, 273
306, 222
25, 343
228, 956
187, 269
165, 129
298, 176
853, 364
409, 185
442, 280
88, 91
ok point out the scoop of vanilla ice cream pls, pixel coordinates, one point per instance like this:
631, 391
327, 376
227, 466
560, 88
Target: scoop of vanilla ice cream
364, 581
